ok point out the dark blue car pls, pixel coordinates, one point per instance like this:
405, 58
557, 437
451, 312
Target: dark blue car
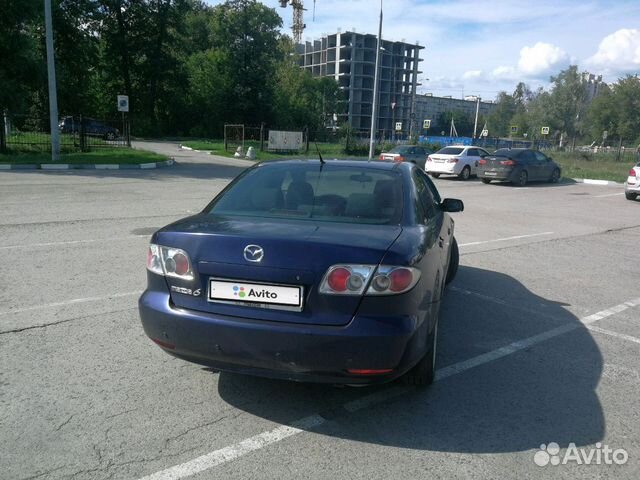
307, 270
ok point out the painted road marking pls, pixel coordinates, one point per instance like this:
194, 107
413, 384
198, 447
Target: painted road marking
609, 195
71, 302
614, 334
257, 442
74, 242
517, 237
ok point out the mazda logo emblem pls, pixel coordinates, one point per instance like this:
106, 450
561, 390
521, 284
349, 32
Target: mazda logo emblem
253, 253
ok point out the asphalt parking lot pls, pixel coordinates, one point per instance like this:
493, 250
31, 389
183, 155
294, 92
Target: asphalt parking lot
539, 344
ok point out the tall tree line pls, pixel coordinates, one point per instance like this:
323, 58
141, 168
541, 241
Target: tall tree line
569, 112
187, 67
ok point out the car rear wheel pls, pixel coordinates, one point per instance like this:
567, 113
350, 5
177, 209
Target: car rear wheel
523, 178
435, 175
465, 173
453, 262
424, 372
555, 176
486, 180
630, 196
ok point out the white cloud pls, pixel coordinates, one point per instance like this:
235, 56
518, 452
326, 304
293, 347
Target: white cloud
472, 75
618, 53
542, 59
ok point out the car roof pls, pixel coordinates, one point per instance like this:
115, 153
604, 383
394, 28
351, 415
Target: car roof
374, 164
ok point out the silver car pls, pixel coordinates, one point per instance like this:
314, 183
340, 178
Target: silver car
632, 186
460, 160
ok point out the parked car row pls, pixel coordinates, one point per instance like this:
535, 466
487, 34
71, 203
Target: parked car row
91, 127
515, 165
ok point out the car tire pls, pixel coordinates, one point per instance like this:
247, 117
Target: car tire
454, 261
424, 372
435, 175
109, 136
555, 176
465, 174
523, 178
486, 181
630, 196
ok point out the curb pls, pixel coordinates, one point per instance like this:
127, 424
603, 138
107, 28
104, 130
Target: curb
596, 182
86, 166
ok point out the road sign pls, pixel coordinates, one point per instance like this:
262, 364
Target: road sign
544, 130
398, 126
426, 124
484, 133
514, 129
123, 103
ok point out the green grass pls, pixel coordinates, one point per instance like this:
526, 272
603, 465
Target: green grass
593, 166
102, 156
216, 147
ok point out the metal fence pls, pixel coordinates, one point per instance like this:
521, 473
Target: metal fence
21, 133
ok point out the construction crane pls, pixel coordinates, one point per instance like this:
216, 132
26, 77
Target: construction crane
298, 23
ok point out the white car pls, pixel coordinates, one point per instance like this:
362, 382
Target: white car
632, 187
460, 160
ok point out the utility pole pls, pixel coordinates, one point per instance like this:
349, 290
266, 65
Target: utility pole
53, 96
475, 124
374, 107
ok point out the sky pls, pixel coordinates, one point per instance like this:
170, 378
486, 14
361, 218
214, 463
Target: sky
476, 47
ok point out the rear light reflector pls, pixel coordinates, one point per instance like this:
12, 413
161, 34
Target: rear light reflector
337, 279
508, 162
369, 371
168, 345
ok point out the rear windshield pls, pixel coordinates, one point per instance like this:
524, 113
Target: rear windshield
450, 151
334, 193
505, 152
400, 150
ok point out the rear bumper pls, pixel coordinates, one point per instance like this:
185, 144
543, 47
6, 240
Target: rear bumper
632, 187
308, 353
446, 168
498, 174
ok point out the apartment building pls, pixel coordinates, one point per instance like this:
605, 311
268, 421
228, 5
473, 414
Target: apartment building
350, 58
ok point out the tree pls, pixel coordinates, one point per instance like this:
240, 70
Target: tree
20, 68
568, 102
499, 121
617, 110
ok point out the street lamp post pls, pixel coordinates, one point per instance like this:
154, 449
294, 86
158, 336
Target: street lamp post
374, 107
51, 71
475, 124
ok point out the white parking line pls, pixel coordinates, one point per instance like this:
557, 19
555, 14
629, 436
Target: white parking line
71, 302
609, 195
73, 242
517, 237
257, 442
611, 333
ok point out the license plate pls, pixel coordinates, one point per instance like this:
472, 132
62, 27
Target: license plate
490, 173
278, 296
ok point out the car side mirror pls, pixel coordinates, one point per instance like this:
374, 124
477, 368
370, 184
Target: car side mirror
452, 205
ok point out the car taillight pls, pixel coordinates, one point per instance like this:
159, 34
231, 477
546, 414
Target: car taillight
392, 280
346, 279
399, 158
382, 280
482, 161
429, 159
452, 160
632, 173
172, 262
508, 162
381, 157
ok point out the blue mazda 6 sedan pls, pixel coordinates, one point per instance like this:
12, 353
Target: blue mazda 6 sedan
320, 271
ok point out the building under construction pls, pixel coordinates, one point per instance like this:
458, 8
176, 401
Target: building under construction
350, 58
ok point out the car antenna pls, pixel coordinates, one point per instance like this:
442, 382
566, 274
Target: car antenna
322, 162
